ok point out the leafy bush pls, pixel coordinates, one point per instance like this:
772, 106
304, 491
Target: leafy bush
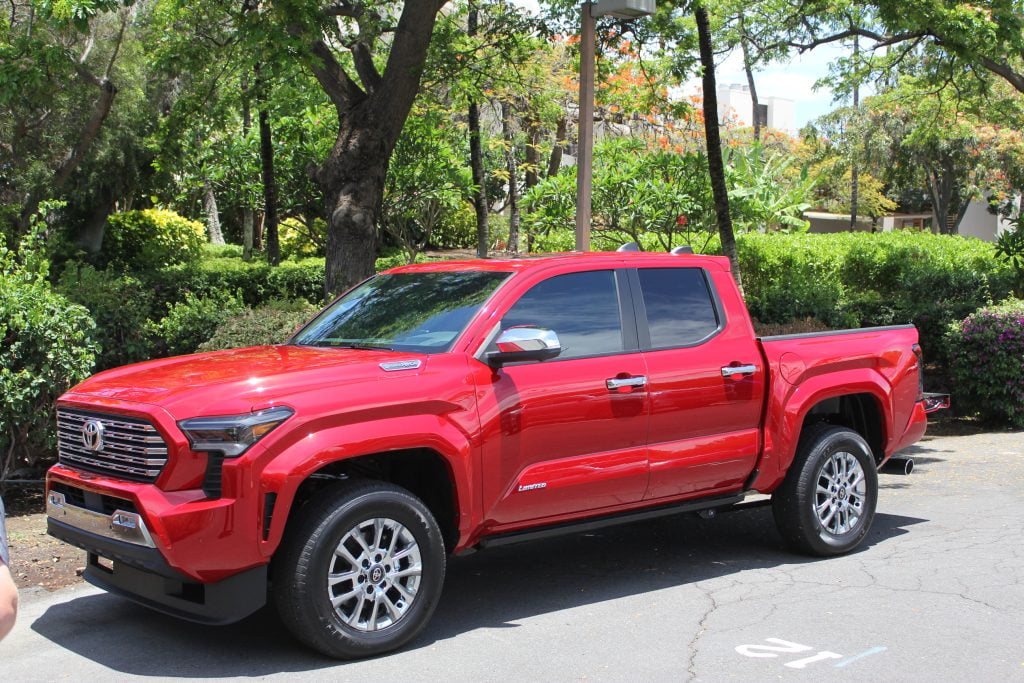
45, 348
255, 281
141, 241
270, 324
987, 368
300, 240
457, 230
222, 251
121, 305
191, 322
854, 279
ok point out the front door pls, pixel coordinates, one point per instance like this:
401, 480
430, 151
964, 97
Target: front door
558, 439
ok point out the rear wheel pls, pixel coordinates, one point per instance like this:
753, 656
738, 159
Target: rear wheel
827, 501
361, 570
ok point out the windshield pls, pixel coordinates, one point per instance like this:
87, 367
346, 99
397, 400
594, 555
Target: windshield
420, 312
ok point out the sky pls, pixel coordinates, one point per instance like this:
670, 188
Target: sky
793, 79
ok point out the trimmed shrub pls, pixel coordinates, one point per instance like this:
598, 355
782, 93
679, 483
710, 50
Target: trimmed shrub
222, 251
121, 305
256, 282
191, 322
864, 279
987, 351
45, 348
270, 324
141, 241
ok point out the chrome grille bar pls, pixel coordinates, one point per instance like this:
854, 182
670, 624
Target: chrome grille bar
129, 448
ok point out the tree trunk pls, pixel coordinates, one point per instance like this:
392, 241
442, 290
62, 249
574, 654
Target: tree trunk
555, 160
748, 68
531, 154
716, 166
269, 189
90, 239
476, 160
211, 214
854, 180
370, 120
352, 179
513, 179
248, 219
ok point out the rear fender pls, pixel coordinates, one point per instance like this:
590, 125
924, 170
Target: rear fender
789, 405
286, 472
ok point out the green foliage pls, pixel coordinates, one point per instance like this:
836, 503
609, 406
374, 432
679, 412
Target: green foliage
301, 240
191, 322
255, 281
661, 199
121, 305
45, 348
854, 279
222, 251
767, 192
457, 229
427, 181
273, 323
141, 241
987, 366
1010, 248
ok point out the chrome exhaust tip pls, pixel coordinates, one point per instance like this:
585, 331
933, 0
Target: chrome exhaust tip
898, 465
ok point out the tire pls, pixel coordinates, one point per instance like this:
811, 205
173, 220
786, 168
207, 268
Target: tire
833, 457
380, 607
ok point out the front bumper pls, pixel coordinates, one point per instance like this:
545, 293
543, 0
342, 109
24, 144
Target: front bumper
141, 573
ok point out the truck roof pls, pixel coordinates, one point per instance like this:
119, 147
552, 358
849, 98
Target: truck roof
571, 258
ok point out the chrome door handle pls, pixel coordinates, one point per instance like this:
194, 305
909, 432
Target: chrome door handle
730, 370
625, 382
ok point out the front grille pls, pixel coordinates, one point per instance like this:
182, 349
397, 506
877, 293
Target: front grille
129, 448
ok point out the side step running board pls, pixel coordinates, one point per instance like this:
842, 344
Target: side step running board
592, 523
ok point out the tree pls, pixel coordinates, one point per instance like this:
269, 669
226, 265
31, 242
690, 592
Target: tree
716, 165
371, 106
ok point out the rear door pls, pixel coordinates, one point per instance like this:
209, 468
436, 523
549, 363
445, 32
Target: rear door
705, 379
557, 440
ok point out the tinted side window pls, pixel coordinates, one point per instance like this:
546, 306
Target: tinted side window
679, 306
582, 309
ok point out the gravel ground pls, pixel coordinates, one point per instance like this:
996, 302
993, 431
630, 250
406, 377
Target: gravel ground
937, 593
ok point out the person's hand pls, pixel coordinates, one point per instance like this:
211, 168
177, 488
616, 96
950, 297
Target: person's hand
8, 591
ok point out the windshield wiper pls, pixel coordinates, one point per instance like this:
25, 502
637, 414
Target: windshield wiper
366, 346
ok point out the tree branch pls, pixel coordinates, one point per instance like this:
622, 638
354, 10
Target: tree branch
335, 81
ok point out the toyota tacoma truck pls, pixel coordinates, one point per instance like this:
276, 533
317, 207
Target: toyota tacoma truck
441, 408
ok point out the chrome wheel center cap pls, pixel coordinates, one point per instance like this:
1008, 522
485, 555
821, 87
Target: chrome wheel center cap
376, 574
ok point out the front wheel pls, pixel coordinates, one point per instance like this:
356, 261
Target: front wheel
360, 571
827, 501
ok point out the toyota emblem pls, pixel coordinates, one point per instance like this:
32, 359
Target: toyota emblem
92, 435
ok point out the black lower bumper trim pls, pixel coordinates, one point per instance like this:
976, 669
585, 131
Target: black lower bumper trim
141, 574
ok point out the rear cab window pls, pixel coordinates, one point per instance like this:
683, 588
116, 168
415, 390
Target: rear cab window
680, 306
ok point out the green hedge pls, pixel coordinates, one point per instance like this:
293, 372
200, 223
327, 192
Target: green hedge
863, 279
987, 369
256, 281
274, 323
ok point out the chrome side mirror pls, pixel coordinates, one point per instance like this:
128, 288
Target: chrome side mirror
518, 344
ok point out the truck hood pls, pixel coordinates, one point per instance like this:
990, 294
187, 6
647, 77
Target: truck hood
239, 380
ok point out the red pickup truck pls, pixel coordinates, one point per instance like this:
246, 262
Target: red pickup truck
445, 407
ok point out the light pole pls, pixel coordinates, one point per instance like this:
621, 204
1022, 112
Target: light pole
590, 11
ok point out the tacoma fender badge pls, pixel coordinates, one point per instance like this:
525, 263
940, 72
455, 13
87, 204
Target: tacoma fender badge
392, 366
533, 487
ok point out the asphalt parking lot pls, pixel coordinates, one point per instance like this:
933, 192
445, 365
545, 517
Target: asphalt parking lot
937, 593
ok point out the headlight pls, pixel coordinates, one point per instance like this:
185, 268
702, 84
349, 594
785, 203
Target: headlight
232, 434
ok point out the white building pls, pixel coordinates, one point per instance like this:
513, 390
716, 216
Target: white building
736, 106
